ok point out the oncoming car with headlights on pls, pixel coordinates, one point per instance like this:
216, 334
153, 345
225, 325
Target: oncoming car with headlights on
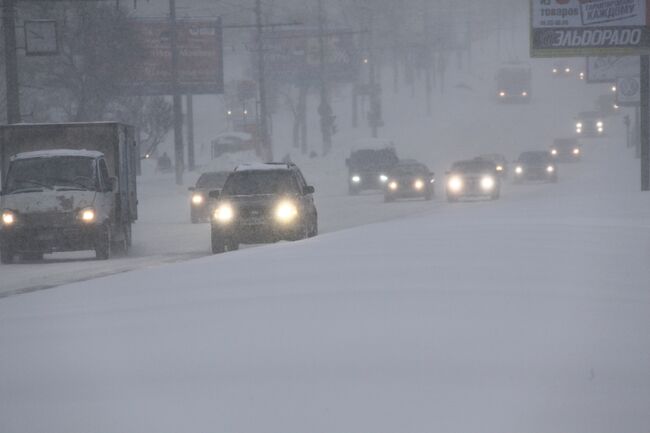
409, 179
589, 124
566, 150
473, 178
368, 168
200, 203
535, 165
263, 203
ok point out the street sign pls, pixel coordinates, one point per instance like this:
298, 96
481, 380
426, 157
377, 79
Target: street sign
200, 58
41, 38
628, 91
577, 28
608, 68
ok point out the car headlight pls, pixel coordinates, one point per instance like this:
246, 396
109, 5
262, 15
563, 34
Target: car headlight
356, 179
499, 168
224, 213
487, 183
524, 94
519, 169
393, 185
197, 199
8, 218
418, 184
599, 124
554, 152
554, 70
567, 70
502, 94
576, 151
550, 169
87, 215
455, 184
579, 125
383, 178
286, 212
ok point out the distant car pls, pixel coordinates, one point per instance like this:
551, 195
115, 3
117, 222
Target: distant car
200, 201
514, 83
262, 203
409, 179
590, 124
535, 165
368, 169
566, 150
561, 69
473, 178
500, 163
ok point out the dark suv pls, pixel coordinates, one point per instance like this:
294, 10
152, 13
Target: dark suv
368, 169
263, 203
535, 165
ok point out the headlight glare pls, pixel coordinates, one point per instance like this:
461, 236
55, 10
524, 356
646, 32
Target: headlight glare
393, 185
554, 152
576, 151
383, 178
356, 179
87, 215
499, 168
550, 169
286, 212
418, 184
197, 199
487, 183
519, 169
455, 184
8, 218
224, 213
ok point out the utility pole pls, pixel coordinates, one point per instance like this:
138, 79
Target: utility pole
267, 145
191, 163
179, 162
324, 108
11, 61
645, 122
374, 115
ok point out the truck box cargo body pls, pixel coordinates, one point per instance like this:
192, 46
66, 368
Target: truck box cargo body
51, 174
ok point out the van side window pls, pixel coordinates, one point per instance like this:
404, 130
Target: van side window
103, 174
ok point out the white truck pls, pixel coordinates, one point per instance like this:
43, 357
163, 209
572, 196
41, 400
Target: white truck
67, 187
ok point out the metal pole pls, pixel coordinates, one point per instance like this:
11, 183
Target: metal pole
267, 145
11, 62
645, 123
190, 132
324, 109
177, 102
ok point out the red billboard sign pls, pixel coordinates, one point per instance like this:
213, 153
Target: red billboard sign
200, 64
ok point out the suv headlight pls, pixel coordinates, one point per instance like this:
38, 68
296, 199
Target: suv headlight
87, 215
550, 169
418, 184
487, 183
383, 178
8, 218
286, 212
224, 213
455, 184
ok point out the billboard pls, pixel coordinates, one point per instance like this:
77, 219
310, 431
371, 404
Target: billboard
293, 56
608, 69
577, 28
628, 91
200, 61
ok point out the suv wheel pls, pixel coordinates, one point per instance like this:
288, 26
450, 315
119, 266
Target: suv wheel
6, 254
314, 228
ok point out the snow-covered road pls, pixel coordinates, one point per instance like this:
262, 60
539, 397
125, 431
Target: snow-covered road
527, 314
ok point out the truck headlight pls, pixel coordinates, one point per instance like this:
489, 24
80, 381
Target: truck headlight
418, 184
8, 218
286, 212
197, 199
519, 169
487, 183
383, 178
356, 179
455, 184
224, 213
550, 169
87, 215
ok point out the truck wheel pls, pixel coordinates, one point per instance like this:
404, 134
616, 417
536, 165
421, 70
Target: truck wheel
232, 245
6, 254
121, 246
103, 244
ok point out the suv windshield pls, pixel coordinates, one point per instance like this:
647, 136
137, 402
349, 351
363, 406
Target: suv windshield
260, 183
212, 180
51, 173
373, 159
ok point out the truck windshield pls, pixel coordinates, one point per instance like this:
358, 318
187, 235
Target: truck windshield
260, 183
61, 172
